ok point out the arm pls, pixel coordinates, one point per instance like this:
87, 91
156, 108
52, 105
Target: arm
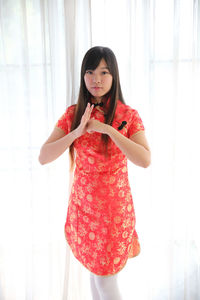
135, 148
56, 145
58, 141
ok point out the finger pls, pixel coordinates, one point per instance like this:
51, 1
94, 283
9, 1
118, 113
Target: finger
85, 114
87, 110
90, 131
91, 107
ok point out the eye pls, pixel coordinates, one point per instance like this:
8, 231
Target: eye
88, 72
105, 72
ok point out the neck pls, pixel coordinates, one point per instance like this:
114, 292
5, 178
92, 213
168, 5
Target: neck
97, 100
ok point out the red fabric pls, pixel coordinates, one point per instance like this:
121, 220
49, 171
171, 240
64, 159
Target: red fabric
65, 121
100, 224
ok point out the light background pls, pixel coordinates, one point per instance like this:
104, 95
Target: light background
157, 45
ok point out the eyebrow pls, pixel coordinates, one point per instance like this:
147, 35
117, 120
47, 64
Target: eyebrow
101, 69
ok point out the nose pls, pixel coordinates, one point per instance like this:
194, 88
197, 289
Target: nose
96, 79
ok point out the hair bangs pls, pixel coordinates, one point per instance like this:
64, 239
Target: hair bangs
93, 61
93, 57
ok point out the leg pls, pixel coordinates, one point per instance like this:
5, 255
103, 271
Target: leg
95, 293
107, 287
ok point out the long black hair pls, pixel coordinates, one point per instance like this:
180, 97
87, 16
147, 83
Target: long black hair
91, 61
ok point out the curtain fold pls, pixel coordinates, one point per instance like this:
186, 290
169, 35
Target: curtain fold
157, 45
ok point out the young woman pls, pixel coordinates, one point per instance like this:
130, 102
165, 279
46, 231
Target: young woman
101, 132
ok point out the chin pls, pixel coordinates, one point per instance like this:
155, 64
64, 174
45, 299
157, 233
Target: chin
97, 95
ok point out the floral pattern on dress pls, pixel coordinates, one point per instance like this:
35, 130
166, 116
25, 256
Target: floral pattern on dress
100, 223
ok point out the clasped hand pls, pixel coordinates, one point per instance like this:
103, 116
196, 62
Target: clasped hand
90, 125
95, 125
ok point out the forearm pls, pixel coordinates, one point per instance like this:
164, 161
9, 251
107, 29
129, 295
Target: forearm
136, 153
50, 151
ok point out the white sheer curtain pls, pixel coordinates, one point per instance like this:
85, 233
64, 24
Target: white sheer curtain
37, 74
157, 44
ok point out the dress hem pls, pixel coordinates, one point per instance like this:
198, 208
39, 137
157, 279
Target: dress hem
107, 275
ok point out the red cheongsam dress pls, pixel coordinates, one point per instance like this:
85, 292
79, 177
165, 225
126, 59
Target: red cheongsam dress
100, 224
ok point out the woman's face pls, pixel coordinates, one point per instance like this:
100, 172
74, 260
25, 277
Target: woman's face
99, 81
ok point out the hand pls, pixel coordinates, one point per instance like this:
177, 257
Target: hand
82, 129
95, 125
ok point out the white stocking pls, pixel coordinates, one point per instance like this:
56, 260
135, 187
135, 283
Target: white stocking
104, 287
95, 293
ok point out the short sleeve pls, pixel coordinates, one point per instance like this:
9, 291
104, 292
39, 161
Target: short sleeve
66, 119
136, 124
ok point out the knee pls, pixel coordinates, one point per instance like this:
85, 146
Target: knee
106, 284
107, 287
102, 283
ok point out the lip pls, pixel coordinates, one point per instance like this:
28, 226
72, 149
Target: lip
96, 87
